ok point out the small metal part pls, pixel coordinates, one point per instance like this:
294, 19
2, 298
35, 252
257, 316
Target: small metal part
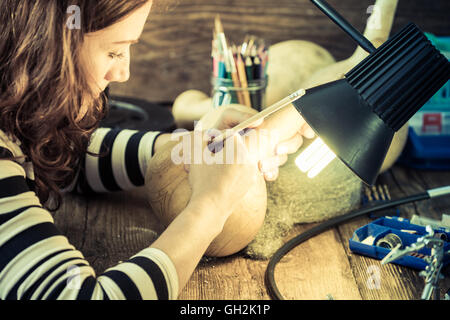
386, 192
424, 221
442, 236
417, 255
368, 193
389, 241
375, 193
437, 192
409, 231
432, 272
378, 194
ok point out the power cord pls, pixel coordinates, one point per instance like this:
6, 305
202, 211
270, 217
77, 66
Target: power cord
291, 244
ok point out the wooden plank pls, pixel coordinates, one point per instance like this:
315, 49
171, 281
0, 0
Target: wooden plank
228, 278
74, 224
108, 228
174, 53
112, 227
316, 269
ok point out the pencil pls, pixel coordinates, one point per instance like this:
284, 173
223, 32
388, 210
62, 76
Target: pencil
223, 42
222, 73
257, 77
235, 77
257, 68
249, 73
243, 79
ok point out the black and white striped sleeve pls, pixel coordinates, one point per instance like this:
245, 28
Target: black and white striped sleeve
38, 262
122, 166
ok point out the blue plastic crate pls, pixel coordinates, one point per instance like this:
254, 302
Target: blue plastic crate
426, 152
428, 145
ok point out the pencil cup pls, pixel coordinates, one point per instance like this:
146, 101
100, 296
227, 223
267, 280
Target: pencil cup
227, 91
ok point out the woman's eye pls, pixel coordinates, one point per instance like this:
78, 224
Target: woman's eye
114, 55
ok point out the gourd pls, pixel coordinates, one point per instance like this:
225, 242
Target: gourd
168, 192
297, 57
189, 107
290, 64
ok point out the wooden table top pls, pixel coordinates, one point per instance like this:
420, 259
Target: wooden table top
112, 227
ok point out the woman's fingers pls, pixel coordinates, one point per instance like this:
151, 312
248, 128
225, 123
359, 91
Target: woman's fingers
289, 146
231, 117
270, 167
271, 175
307, 132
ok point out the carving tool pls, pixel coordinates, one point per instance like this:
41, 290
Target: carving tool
217, 142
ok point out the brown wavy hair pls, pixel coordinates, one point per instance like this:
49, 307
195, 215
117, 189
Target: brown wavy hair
43, 85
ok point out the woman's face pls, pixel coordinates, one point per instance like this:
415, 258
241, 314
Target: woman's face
106, 53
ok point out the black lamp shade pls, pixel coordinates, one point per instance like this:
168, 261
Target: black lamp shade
357, 116
344, 121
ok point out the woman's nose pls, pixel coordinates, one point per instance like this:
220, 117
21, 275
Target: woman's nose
120, 72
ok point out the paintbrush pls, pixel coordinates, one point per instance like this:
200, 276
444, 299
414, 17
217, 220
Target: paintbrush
216, 143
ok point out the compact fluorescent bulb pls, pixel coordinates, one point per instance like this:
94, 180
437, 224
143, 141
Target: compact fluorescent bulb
315, 158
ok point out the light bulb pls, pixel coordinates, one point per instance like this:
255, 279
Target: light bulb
315, 158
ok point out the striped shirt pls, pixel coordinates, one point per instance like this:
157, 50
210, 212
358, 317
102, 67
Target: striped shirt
38, 262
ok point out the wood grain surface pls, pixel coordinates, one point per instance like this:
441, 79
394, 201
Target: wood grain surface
110, 228
174, 52
174, 56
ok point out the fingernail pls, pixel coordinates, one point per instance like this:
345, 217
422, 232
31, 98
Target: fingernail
281, 150
263, 167
269, 175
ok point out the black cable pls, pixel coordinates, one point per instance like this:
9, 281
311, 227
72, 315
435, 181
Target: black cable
291, 244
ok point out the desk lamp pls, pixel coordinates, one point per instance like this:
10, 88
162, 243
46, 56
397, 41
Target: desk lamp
356, 117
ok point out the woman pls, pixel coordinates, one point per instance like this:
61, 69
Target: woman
53, 70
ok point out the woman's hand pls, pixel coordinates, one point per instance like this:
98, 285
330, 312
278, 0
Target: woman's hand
272, 139
218, 183
286, 130
217, 177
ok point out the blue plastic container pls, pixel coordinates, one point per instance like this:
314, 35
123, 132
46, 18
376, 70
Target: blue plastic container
428, 145
364, 240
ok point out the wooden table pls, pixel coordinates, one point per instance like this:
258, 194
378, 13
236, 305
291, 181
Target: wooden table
112, 227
